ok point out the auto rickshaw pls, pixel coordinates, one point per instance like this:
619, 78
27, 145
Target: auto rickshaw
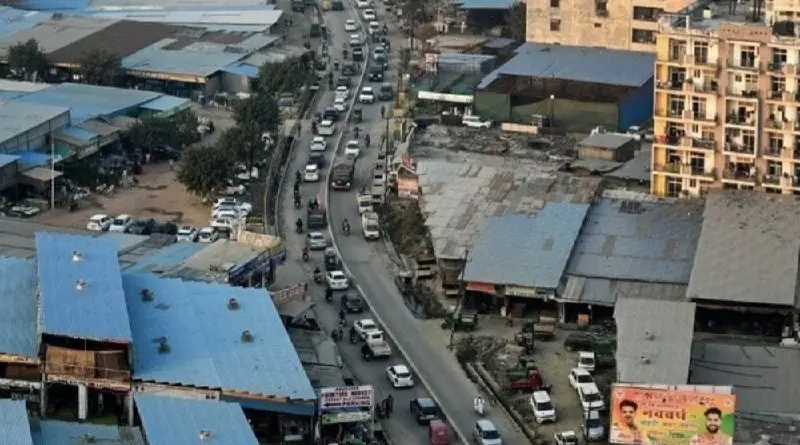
438, 432
357, 114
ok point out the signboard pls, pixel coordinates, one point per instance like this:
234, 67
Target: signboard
355, 416
477, 286
431, 62
521, 291
651, 416
446, 97
345, 397
291, 293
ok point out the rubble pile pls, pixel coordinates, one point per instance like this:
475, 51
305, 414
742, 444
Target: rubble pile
406, 228
479, 348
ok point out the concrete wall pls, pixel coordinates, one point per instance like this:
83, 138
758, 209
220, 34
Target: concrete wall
36, 137
234, 83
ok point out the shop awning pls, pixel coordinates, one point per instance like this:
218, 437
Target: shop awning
295, 309
41, 174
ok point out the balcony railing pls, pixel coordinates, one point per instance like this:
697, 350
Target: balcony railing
703, 144
746, 93
739, 120
749, 65
701, 171
669, 85
771, 179
739, 148
773, 151
740, 175
700, 87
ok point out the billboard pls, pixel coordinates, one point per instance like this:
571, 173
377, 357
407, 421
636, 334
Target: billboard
655, 416
343, 397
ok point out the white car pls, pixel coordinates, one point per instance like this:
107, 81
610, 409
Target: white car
222, 224
233, 190
542, 407
565, 438
367, 96
243, 175
361, 4
208, 235
99, 223
352, 148
121, 223
318, 144
343, 92
365, 326
350, 26
340, 104
311, 173
586, 360
473, 121
187, 233
369, 15
590, 396
337, 280
373, 27
326, 128
579, 377
378, 52
245, 207
227, 214
355, 40
399, 376
232, 208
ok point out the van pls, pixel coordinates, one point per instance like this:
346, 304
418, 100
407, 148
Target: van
542, 406
386, 92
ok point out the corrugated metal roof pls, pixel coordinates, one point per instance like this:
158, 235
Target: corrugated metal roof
8, 86
17, 117
165, 103
56, 432
77, 133
18, 290
606, 292
748, 249
606, 140
7, 159
175, 421
204, 338
486, 4
173, 4
527, 251
56, 5
13, 20
14, 418
264, 18
637, 240
637, 169
763, 377
32, 158
243, 69
581, 64
97, 311
166, 259
55, 33
654, 341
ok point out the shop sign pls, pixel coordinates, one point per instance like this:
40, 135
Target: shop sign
521, 291
477, 286
291, 293
345, 397
10, 383
357, 416
445, 97
408, 188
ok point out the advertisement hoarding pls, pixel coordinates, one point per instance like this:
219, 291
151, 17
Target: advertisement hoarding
343, 397
654, 416
356, 416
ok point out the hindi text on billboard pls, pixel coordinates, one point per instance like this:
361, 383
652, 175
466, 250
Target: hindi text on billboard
345, 397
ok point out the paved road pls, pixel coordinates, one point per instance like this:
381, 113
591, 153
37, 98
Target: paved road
401, 427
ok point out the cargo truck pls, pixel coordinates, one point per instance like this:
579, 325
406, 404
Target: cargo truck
342, 174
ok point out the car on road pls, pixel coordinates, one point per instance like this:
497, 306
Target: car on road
326, 128
542, 407
353, 304
373, 27
317, 159
121, 223
208, 235
565, 438
361, 4
223, 224
579, 377
99, 223
473, 121
165, 227
367, 95
423, 409
316, 241
142, 226
188, 233
318, 144
485, 433
343, 92
399, 376
365, 326
379, 53
343, 81
311, 173
590, 396
348, 69
340, 103
375, 73
386, 92
350, 25
369, 15
355, 40
352, 148
337, 280
586, 360
331, 113
358, 54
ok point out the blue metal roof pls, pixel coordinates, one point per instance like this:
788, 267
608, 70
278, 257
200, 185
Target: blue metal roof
176, 421
166, 259
524, 251
97, 311
204, 338
79, 133
655, 244
13, 21
165, 103
32, 158
499, 43
56, 5
487, 4
577, 63
56, 432
18, 289
243, 69
16, 429
7, 159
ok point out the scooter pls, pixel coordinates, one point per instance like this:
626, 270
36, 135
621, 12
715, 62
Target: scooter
305, 256
318, 280
346, 230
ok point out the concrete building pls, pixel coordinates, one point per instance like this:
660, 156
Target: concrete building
726, 110
577, 88
607, 146
630, 25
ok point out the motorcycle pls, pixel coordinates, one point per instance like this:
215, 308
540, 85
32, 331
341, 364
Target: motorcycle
318, 280
299, 226
479, 408
297, 202
305, 256
346, 229
328, 298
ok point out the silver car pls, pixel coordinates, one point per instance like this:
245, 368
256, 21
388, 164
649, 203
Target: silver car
316, 241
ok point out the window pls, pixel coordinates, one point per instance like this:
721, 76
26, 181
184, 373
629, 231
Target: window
698, 107
598, 25
774, 168
701, 52
776, 142
555, 25
779, 57
601, 8
676, 106
677, 49
643, 36
646, 14
674, 187
693, 183
673, 157
750, 79
698, 163
747, 57
749, 139
555, 3
777, 84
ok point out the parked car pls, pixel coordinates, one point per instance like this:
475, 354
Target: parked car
232, 189
399, 376
586, 360
424, 410
590, 396
542, 407
594, 428
142, 226
188, 233
365, 326
99, 223
350, 25
337, 280
367, 95
579, 377
318, 144
121, 223
473, 121
208, 235
369, 15
361, 4
485, 433
223, 224
244, 207
165, 227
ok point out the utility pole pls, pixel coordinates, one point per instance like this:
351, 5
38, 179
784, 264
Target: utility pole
52, 172
462, 292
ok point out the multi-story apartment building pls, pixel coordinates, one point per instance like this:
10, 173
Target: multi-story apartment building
626, 24
726, 103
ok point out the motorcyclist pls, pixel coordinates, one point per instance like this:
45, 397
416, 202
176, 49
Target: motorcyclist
356, 130
297, 187
297, 202
328, 295
299, 224
306, 252
478, 404
345, 226
366, 140
297, 178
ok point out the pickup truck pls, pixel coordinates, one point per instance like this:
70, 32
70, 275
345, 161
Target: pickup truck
375, 346
370, 226
342, 174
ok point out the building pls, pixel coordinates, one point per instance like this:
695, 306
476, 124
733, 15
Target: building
607, 146
576, 88
451, 78
630, 25
726, 103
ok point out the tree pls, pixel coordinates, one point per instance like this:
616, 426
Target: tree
204, 169
516, 22
100, 67
260, 110
182, 128
177, 131
26, 59
287, 76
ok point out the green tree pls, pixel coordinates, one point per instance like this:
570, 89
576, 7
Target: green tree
260, 111
516, 22
182, 129
147, 133
100, 67
26, 59
177, 131
204, 169
287, 76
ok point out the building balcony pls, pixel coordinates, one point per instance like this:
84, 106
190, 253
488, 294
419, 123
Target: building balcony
669, 85
709, 62
673, 113
670, 167
672, 141
740, 175
702, 144
774, 152
752, 66
734, 148
771, 179
744, 93
691, 86
735, 119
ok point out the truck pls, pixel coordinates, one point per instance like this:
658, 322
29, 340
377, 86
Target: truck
375, 346
370, 226
342, 174
337, 5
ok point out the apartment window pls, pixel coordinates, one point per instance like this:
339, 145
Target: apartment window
676, 106
674, 187
676, 77
673, 157
677, 48
747, 57
775, 142
601, 8
698, 107
598, 25
777, 84
774, 168
555, 25
692, 183
698, 162
646, 14
774, 190
779, 57
643, 36
701, 52
749, 139
707, 135
555, 3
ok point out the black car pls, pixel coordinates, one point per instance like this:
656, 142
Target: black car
375, 74
166, 228
317, 159
358, 55
424, 410
353, 304
344, 82
142, 226
330, 114
349, 69
579, 341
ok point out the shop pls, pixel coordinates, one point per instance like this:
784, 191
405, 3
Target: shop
344, 412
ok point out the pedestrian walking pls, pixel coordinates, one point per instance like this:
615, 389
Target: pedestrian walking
299, 128
383, 112
171, 165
